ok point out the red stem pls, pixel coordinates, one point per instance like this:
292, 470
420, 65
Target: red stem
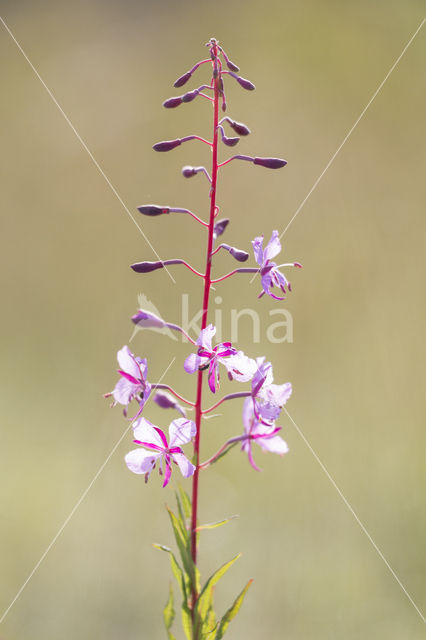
207, 286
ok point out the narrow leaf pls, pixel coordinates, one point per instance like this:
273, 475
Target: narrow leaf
183, 543
204, 601
232, 612
187, 622
186, 502
214, 525
169, 612
177, 571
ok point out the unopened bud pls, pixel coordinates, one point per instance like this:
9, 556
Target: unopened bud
232, 66
153, 210
167, 145
171, 103
246, 84
164, 400
188, 172
270, 163
146, 267
238, 254
147, 320
183, 79
220, 227
190, 96
230, 142
239, 128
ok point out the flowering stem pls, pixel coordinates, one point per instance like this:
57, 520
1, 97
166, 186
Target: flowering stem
206, 294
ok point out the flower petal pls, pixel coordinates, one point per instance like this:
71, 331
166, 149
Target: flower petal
205, 338
124, 391
248, 415
141, 461
193, 362
274, 445
127, 362
186, 467
258, 249
145, 431
181, 431
240, 366
273, 247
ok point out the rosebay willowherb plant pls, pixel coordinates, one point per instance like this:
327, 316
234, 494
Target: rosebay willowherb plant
263, 400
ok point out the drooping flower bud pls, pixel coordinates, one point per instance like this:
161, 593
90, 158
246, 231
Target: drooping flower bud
190, 95
146, 267
230, 142
166, 401
147, 320
238, 254
183, 79
167, 145
220, 227
188, 171
171, 103
270, 163
239, 127
246, 84
153, 210
229, 63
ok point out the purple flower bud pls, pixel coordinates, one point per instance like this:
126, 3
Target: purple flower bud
146, 267
190, 96
164, 400
270, 163
183, 79
232, 66
246, 84
153, 210
188, 172
238, 254
230, 142
220, 227
239, 128
171, 103
167, 145
147, 320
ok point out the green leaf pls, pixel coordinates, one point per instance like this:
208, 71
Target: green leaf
169, 613
231, 613
186, 502
187, 621
183, 542
214, 525
205, 599
177, 571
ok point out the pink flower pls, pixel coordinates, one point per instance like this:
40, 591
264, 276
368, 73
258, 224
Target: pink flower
156, 448
264, 435
269, 271
268, 398
133, 382
238, 365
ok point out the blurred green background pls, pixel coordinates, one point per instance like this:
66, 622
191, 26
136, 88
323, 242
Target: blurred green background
358, 306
